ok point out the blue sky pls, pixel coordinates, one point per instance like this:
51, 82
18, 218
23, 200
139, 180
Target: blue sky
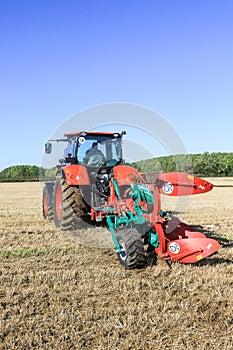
60, 57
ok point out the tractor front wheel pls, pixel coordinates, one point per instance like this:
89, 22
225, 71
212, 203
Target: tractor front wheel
132, 254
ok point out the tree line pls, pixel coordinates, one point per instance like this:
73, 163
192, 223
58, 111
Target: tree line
24, 173
207, 164
203, 165
20, 173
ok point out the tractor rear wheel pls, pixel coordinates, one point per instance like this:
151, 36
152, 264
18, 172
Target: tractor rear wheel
132, 253
47, 208
68, 205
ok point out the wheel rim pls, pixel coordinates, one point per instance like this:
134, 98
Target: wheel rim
59, 203
123, 253
45, 205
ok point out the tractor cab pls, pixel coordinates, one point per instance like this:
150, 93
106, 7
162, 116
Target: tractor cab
94, 149
95, 154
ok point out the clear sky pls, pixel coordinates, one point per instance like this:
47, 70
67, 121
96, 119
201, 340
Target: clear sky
59, 57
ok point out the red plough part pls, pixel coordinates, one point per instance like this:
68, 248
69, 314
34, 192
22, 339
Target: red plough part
178, 241
184, 245
182, 184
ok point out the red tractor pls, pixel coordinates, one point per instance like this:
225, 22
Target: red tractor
94, 184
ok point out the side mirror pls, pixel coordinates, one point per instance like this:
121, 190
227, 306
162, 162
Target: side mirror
48, 148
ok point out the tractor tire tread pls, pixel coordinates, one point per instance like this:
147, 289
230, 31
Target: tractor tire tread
136, 256
72, 205
49, 215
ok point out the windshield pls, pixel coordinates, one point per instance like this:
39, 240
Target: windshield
98, 150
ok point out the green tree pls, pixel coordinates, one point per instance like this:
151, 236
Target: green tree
20, 173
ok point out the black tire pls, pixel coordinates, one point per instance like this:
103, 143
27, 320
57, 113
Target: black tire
47, 206
132, 255
68, 205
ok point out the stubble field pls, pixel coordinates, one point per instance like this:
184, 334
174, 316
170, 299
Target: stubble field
57, 292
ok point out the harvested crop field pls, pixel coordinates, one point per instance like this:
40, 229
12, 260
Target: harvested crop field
59, 292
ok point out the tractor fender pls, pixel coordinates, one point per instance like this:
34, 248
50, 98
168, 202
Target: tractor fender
75, 174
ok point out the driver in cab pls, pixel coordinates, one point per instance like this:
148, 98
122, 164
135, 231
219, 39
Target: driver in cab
94, 157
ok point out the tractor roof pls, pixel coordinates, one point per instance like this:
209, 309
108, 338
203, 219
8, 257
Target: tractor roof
107, 133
